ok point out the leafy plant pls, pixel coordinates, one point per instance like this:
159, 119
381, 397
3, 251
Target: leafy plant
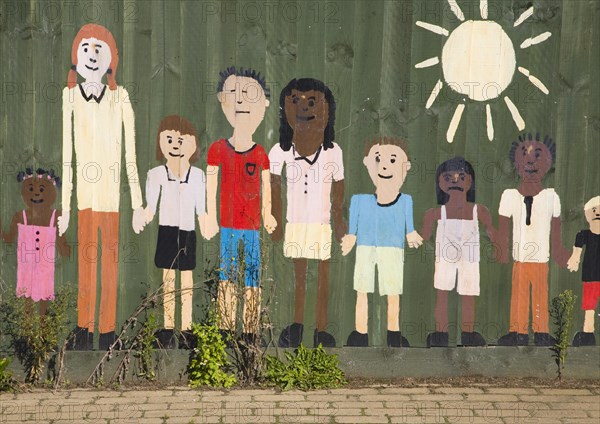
146, 351
306, 369
34, 337
7, 383
208, 359
562, 312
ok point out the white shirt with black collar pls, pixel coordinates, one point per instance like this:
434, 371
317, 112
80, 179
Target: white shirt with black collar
179, 197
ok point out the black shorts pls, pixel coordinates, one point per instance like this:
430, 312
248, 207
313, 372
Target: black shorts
175, 249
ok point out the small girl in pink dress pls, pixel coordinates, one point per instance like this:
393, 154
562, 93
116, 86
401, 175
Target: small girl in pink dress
37, 238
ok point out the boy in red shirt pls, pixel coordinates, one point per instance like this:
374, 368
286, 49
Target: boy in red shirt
244, 169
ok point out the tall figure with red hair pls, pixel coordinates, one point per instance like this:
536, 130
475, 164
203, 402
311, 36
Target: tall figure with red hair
95, 116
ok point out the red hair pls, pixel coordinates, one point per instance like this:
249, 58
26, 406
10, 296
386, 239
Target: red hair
100, 33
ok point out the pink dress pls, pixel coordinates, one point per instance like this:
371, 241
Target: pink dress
36, 254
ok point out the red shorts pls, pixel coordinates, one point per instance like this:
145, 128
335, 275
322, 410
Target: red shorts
591, 294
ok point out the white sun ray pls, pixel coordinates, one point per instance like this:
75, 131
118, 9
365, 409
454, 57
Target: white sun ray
456, 9
535, 81
434, 93
489, 122
524, 16
483, 9
454, 122
427, 63
536, 40
433, 28
519, 121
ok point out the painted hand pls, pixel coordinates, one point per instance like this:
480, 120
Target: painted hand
573, 263
270, 223
139, 220
148, 215
348, 242
63, 223
414, 239
211, 227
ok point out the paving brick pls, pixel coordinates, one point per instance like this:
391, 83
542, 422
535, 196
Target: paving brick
458, 390
283, 397
384, 398
511, 390
492, 398
440, 398
405, 390
361, 419
560, 398
576, 392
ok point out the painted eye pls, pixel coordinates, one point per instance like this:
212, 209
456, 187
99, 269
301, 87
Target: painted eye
41, 189
393, 160
295, 100
170, 141
85, 49
447, 178
311, 103
537, 155
97, 51
462, 177
31, 189
377, 159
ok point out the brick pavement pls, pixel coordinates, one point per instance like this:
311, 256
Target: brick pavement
421, 404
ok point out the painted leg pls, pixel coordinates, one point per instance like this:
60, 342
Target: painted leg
252, 298
187, 296
439, 338
321, 336
469, 336
109, 231
43, 307
227, 305
586, 337
169, 298
539, 301
519, 308
291, 336
394, 336
588, 322
360, 337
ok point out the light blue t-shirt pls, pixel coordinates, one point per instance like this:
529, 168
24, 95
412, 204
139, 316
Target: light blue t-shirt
381, 225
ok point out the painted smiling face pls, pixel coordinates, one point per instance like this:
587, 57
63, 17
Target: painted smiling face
452, 182
533, 160
243, 102
175, 145
387, 165
38, 192
307, 112
93, 59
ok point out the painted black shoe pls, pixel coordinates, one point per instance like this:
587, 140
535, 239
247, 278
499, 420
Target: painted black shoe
356, 339
187, 340
106, 340
164, 338
514, 339
395, 339
323, 338
543, 339
472, 339
437, 339
291, 336
227, 337
584, 339
81, 339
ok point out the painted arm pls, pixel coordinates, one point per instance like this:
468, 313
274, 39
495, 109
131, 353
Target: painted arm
337, 205
269, 221
573, 262
212, 183
61, 241
152, 195
200, 193
349, 240
413, 238
486, 219
502, 238
11, 236
276, 206
139, 219
560, 255
67, 159
431, 216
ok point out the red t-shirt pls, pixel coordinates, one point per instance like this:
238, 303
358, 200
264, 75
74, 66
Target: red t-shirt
240, 183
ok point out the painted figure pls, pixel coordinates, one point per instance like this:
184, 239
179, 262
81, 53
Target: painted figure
590, 270
36, 234
315, 191
379, 224
457, 248
535, 213
182, 191
244, 167
95, 116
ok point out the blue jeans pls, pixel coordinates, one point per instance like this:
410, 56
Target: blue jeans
230, 240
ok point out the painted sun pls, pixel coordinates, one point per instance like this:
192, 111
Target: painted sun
479, 61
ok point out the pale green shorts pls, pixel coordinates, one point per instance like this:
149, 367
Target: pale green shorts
389, 262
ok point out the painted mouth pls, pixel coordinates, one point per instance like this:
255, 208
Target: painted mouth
37, 201
596, 219
91, 69
385, 177
173, 155
531, 171
456, 188
242, 111
305, 118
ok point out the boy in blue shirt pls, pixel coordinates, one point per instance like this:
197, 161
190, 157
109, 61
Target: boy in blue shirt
378, 225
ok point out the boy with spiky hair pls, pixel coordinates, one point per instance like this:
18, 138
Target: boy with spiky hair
535, 212
457, 247
591, 270
243, 95
379, 225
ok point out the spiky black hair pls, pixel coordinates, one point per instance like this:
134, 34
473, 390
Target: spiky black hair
548, 142
248, 73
